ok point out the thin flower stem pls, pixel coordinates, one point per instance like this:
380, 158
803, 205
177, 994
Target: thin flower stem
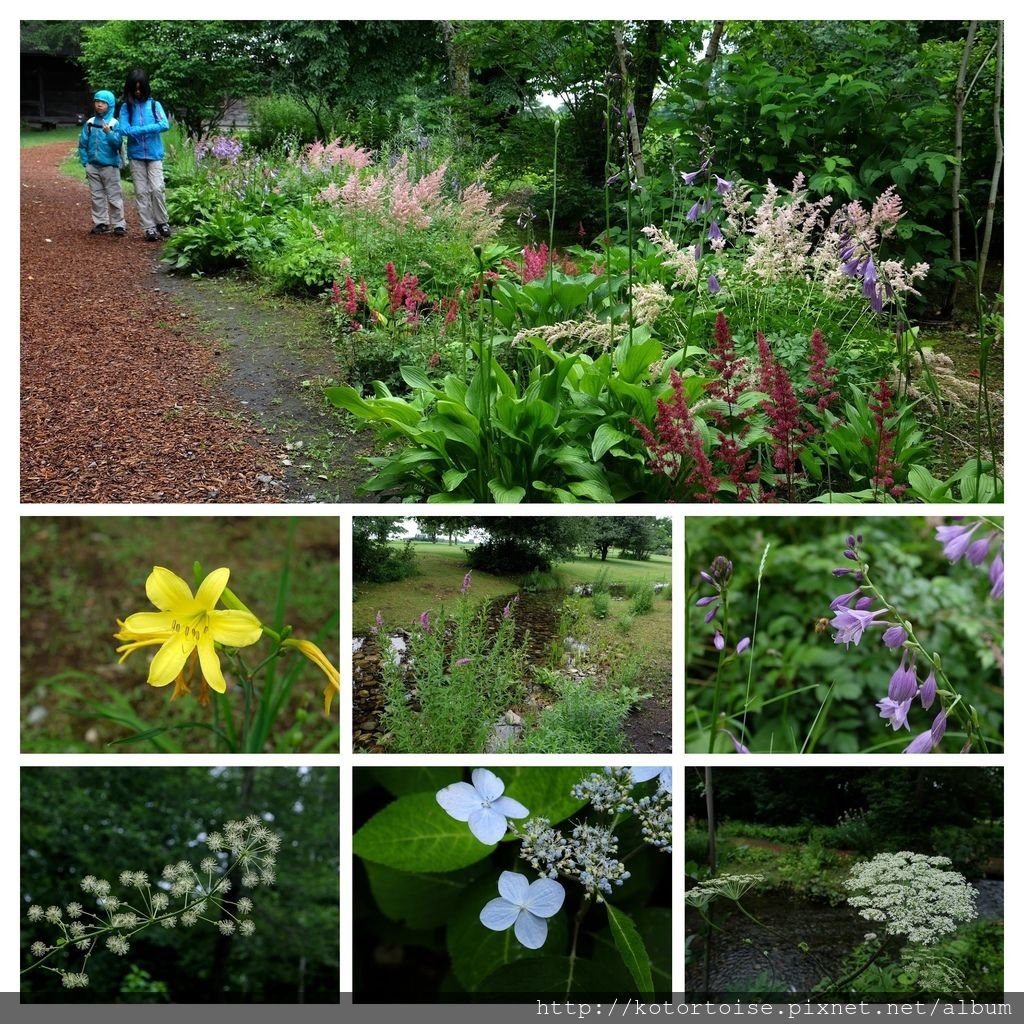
716, 706
965, 714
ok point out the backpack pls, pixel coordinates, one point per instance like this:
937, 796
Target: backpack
125, 164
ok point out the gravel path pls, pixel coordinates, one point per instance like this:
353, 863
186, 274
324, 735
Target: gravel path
117, 403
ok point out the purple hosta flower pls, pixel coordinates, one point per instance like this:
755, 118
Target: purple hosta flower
743, 645
466, 581
524, 907
995, 575
927, 741
844, 599
955, 540
895, 711
978, 551
706, 206
928, 690
850, 624
722, 186
694, 212
714, 232
894, 636
462, 661
740, 748
425, 622
713, 286
481, 805
719, 640
903, 684
690, 176
862, 603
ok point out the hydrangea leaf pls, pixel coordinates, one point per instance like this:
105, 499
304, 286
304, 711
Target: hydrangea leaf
413, 833
549, 975
632, 950
547, 792
416, 899
422, 779
477, 951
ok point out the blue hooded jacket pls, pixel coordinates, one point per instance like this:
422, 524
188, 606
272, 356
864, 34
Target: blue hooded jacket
143, 123
96, 146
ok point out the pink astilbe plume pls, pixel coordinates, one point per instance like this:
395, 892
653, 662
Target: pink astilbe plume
324, 156
677, 451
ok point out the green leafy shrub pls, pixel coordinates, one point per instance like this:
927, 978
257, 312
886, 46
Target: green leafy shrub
584, 719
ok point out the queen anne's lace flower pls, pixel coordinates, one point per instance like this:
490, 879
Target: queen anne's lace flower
911, 894
482, 805
524, 907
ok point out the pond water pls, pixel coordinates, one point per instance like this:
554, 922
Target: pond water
537, 620
742, 952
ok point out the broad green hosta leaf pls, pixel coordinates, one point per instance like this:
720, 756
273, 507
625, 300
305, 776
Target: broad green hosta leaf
550, 976
477, 951
419, 900
402, 781
631, 949
415, 834
606, 437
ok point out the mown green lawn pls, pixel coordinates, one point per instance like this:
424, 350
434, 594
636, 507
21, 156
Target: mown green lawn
439, 580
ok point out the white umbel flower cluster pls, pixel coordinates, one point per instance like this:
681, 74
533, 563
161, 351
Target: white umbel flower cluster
732, 887
911, 894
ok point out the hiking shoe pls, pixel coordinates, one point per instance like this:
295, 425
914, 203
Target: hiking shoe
120, 232
151, 235
164, 229
100, 229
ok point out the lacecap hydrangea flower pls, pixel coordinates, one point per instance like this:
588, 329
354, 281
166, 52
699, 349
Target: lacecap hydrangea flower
482, 805
524, 906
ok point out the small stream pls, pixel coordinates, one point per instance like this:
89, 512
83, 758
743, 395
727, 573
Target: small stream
744, 953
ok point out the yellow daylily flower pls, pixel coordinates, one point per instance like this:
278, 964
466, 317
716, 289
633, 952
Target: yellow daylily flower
185, 624
315, 655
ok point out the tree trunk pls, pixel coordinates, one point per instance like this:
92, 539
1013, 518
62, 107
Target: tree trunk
710, 56
627, 97
959, 103
997, 127
648, 68
457, 55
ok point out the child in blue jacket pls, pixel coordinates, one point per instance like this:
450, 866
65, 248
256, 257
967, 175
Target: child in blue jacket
143, 121
99, 149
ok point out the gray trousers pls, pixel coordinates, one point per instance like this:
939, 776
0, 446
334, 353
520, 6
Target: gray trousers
148, 179
105, 194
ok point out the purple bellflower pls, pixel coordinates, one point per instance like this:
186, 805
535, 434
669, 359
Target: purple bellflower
894, 636
955, 540
850, 624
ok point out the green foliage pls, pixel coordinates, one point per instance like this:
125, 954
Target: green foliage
103, 821
429, 906
642, 600
805, 688
600, 604
585, 719
453, 689
192, 65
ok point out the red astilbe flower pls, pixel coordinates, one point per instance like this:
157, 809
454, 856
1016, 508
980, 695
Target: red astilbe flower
786, 427
731, 424
821, 391
536, 259
677, 451
886, 429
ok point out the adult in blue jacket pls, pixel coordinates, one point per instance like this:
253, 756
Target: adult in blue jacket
99, 150
143, 121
